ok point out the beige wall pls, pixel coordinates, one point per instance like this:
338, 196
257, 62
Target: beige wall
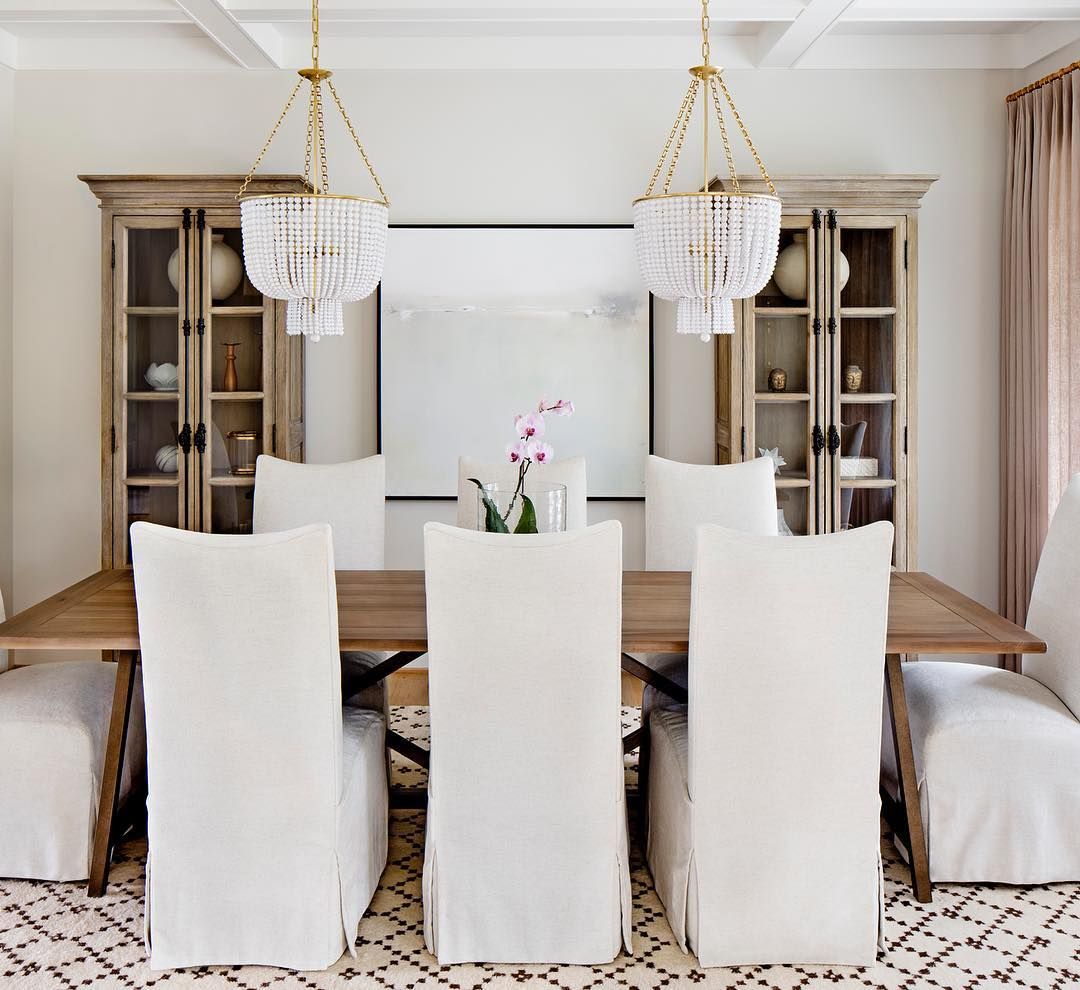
7, 162
522, 146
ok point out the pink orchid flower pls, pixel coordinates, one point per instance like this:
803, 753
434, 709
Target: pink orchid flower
564, 407
530, 425
515, 452
539, 452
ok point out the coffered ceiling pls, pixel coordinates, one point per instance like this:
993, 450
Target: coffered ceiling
516, 34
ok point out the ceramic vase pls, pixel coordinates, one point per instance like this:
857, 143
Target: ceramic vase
231, 382
226, 269
790, 273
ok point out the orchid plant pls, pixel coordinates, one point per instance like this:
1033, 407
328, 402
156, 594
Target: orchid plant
528, 449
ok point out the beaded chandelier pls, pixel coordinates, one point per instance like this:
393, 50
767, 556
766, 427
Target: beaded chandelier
704, 249
317, 249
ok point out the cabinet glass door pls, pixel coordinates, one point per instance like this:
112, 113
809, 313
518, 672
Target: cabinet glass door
149, 412
867, 371
236, 376
785, 363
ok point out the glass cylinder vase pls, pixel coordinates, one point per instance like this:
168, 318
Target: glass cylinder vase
503, 510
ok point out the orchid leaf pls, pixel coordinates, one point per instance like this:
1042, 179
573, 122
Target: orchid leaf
527, 522
492, 521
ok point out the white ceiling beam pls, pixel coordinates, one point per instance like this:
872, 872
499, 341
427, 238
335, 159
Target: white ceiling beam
785, 47
1043, 40
221, 27
9, 50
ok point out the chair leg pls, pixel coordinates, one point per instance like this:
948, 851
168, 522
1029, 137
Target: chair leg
111, 774
909, 788
644, 753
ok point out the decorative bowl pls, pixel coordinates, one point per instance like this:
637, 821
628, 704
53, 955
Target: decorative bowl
162, 377
166, 458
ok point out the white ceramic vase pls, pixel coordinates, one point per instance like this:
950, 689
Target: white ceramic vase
790, 272
226, 269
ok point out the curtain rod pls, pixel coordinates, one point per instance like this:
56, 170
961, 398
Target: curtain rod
1039, 83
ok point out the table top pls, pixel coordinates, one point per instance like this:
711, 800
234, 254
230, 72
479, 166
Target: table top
385, 610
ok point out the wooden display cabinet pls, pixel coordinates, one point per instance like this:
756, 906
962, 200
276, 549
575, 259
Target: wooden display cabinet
850, 453
167, 456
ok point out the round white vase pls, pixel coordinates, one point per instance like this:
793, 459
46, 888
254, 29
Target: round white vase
790, 273
226, 269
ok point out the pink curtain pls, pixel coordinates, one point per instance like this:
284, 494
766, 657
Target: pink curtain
1040, 327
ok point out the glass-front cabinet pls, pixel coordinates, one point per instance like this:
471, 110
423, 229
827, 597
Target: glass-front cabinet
199, 376
820, 374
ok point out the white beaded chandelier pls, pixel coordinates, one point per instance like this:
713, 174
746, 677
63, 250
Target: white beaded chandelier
317, 249
704, 249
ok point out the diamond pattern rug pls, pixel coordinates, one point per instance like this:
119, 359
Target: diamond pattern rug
970, 938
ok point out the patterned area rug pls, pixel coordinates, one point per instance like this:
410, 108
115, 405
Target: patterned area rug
970, 938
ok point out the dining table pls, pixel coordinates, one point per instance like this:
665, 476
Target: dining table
385, 611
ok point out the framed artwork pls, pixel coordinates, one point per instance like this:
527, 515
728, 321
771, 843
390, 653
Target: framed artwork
478, 323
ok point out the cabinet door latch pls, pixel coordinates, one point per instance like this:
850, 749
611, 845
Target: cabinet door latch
834, 439
817, 440
200, 438
183, 439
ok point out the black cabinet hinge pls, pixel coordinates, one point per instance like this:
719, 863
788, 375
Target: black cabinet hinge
200, 326
817, 325
905, 254
273, 439
200, 219
817, 440
832, 324
112, 438
113, 254
187, 327
834, 439
815, 219
200, 438
905, 439
832, 219
742, 443
187, 218
183, 439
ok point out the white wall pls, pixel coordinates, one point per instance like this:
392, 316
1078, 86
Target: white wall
7, 162
519, 146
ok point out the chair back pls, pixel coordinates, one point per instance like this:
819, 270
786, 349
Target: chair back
1053, 614
526, 858
351, 497
241, 679
569, 472
787, 641
680, 497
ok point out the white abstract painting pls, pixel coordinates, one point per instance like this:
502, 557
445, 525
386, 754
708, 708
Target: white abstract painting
478, 324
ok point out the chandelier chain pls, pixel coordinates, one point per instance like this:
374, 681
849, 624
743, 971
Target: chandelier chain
705, 23
724, 136
356, 141
309, 143
746, 135
324, 171
273, 134
686, 104
682, 135
315, 33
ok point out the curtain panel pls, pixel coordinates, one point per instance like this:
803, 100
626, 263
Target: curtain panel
1040, 328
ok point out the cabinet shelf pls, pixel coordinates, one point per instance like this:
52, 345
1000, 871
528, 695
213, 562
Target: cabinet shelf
792, 482
236, 396
236, 310
781, 310
156, 479
866, 312
781, 396
867, 482
859, 398
153, 396
225, 479
152, 310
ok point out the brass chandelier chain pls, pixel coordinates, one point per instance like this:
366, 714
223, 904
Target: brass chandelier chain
712, 78
315, 158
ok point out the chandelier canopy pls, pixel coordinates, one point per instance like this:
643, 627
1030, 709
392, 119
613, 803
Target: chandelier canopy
704, 249
317, 249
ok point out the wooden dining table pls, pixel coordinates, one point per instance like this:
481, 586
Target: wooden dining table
385, 611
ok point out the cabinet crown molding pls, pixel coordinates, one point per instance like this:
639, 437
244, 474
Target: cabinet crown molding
881, 191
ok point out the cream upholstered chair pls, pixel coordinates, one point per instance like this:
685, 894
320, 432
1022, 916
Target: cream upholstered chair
351, 497
268, 805
569, 471
763, 801
526, 855
997, 754
54, 722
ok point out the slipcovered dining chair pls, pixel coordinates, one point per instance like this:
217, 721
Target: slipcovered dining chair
526, 854
678, 498
763, 799
267, 801
570, 472
997, 753
351, 497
